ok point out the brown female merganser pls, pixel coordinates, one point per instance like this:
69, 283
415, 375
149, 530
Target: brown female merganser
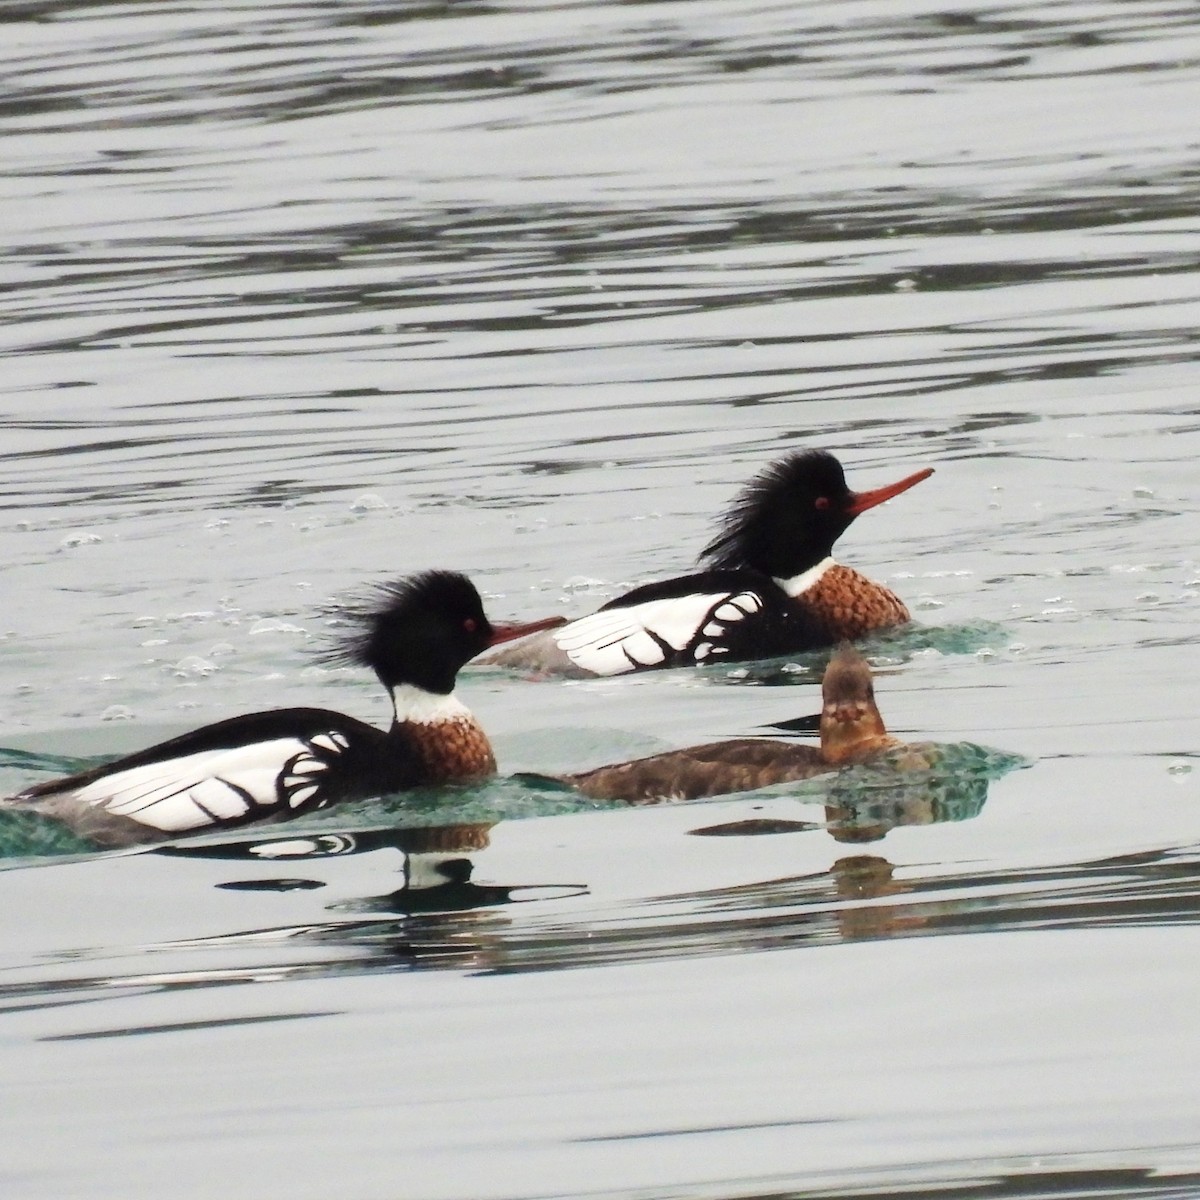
770, 586
414, 634
852, 731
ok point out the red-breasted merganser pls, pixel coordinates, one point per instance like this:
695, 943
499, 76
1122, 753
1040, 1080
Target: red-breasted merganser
414, 634
852, 731
770, 586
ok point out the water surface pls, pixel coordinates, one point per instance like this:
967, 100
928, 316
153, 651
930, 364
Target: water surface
296, 297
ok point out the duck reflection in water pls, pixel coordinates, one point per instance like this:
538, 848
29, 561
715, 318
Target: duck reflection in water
438, 870
863, 804
438, 917
437, 866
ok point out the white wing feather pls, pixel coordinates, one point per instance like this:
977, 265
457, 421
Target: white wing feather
190, 792
606, 642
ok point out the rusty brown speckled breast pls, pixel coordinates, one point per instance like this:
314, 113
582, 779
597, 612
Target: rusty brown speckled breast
452, 751
850, 605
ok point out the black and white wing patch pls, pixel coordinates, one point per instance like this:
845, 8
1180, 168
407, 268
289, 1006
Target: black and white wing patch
671, 631
222, 786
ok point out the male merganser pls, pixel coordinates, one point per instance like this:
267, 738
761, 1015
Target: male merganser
414, 634
770, 586
852, 731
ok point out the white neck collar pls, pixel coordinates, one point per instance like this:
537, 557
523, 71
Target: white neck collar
415, 704
797, 585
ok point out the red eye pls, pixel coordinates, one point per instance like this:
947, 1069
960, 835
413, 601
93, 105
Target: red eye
821, 502
469, 625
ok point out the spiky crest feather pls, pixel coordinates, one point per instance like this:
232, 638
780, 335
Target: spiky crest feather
417, 630
778, 492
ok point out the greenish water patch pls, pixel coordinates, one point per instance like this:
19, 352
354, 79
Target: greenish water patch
923, 783
25, 835
498, 799
868, 799
947, 782
28, 835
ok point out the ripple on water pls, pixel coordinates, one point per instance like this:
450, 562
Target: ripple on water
311, 296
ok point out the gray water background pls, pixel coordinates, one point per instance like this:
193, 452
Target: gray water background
299, 296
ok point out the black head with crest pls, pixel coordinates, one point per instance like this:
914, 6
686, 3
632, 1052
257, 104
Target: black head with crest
787, 519
420, 630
